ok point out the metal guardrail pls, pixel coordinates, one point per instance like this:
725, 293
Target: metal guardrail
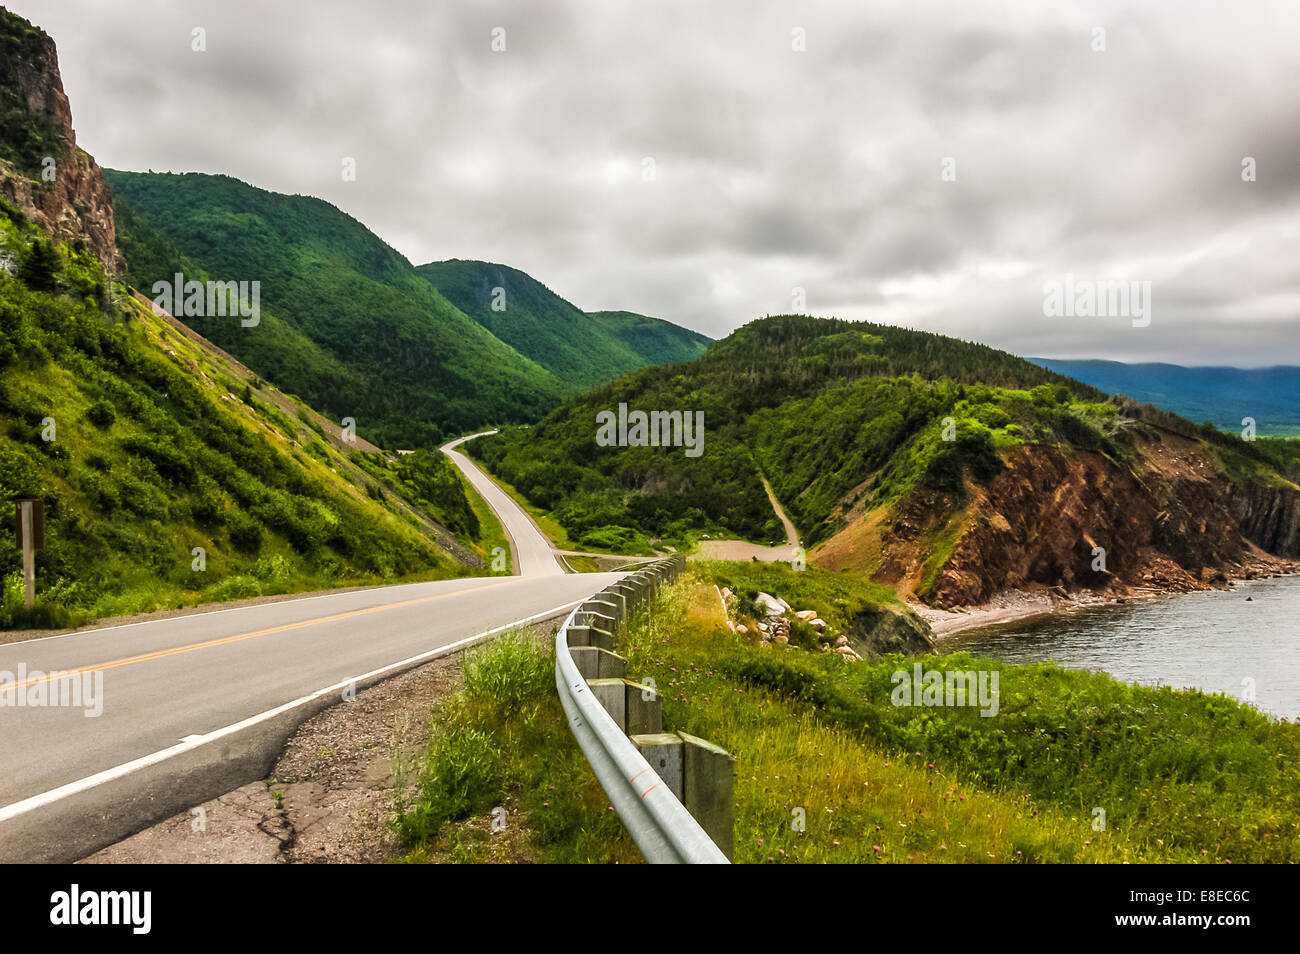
660, 825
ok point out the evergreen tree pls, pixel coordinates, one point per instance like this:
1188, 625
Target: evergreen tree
40, 268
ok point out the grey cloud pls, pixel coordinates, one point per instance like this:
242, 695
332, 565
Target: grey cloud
775, 168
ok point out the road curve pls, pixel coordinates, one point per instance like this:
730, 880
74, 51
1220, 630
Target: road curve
531, 553
194, 706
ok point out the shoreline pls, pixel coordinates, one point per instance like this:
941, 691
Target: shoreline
1014, 606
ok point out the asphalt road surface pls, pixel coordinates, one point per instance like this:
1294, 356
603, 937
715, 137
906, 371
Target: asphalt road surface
531, 551
193, 706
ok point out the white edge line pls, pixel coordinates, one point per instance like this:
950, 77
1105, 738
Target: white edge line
15, 809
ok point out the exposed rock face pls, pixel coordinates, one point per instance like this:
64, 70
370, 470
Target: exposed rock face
1074, 520
76, 207
1270, 517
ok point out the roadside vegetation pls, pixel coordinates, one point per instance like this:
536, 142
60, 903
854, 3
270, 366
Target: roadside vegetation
1178, 776
491, 536
145, 446
503, 743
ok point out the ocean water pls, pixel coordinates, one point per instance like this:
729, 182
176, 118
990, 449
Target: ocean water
1216, 640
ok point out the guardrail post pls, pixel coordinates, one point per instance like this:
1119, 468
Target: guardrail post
596, 663
709, 773
634, 590
603, 614
591, 636
643, 708
663, 750
616, 596
612, 695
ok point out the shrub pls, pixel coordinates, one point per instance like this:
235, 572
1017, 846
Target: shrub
273, 569
101, 414
234, 588
245, 532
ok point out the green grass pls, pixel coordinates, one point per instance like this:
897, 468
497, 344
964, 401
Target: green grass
503, 740
1181, 776
837, 599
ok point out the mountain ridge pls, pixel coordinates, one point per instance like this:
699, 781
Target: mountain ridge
582, 348
347, 322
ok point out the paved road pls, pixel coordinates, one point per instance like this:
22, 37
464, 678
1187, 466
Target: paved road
531, 553
196, 705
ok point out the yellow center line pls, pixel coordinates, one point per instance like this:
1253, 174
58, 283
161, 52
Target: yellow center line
224, 640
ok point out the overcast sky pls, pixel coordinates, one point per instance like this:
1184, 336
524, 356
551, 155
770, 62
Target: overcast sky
773, 168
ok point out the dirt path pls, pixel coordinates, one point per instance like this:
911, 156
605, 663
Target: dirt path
742, 551
791, 534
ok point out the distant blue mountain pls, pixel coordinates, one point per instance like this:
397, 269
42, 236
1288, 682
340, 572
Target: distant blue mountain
1220, 395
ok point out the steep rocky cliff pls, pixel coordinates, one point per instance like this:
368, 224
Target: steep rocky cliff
1069, 520
42, 171
1269, 516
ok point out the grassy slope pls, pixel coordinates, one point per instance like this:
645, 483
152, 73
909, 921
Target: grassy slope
581, 349
161, 445
1181, 776
347, 322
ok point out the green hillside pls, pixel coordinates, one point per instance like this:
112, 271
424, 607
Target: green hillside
843, 418
146, 444
346, 322
654, 340
579, 348
793, 390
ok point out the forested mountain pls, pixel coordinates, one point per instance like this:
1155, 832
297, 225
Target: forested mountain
1223, 396
579, 348
893, 450
346, 323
